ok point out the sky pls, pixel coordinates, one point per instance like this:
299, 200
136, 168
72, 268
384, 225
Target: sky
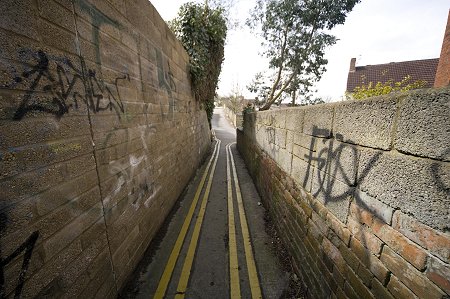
375, 32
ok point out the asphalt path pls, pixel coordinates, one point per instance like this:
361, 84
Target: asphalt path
214, 243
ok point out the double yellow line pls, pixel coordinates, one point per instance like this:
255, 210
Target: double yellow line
167, 274
251, 265
235, 291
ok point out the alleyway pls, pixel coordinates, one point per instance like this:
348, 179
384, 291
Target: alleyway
215, 244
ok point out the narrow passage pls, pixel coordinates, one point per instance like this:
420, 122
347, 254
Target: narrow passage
214, 245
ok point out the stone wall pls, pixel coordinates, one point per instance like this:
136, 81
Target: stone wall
360, 192
235, 119
99, 136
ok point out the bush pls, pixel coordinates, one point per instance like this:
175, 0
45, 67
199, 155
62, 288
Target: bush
370, 90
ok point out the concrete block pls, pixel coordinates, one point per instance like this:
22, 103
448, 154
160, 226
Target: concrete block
289, 141
302, 173
101, 14
270, 119
334, 194
70, 232
61, 194
82, 263
48, 274
77, 276
280, 138
25, 185
337, 159
260, 116
424, 124
61, 217
101, 281
38, 130
294, 119
277, 118
118, 57
45, 95
249, 125
369, 122
304, 154
318, 120
57, 38
130, 38
281, 156
306, 141
416, 186
27, 158
147, 49
55, 13
21, 17
265, 137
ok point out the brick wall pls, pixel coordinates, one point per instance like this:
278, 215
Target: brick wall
99, 135
359, 191
443, 71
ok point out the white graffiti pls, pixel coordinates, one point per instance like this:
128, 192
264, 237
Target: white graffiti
135, 175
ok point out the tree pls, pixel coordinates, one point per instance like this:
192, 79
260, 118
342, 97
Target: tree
294, 41
259, 86
235, 101
371, 90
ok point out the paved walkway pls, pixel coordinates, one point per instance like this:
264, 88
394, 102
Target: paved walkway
215, 244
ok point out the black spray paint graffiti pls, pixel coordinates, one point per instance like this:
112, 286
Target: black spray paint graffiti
327, 181
167, 82
62, 86
98, 19
326, 173
26, 247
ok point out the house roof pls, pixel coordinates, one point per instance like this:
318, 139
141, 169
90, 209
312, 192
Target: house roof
424, 69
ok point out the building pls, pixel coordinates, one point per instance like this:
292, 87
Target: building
435, 72
443, 70
424, 69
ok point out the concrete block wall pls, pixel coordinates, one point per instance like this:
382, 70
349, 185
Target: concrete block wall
99, 135
235, 119
360, 192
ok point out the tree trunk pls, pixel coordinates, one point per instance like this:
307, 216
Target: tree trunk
293, 98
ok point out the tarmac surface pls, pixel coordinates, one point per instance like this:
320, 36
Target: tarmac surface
214, 244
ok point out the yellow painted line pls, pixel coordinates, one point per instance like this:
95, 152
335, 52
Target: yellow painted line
187, 266
168, 270
235, 289
251, 265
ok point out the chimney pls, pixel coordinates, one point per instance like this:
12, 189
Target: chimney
352, 65
442, 78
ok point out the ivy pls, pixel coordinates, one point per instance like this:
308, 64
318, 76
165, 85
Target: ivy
202, 30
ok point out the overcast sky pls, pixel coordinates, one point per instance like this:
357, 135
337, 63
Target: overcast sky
376, 31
